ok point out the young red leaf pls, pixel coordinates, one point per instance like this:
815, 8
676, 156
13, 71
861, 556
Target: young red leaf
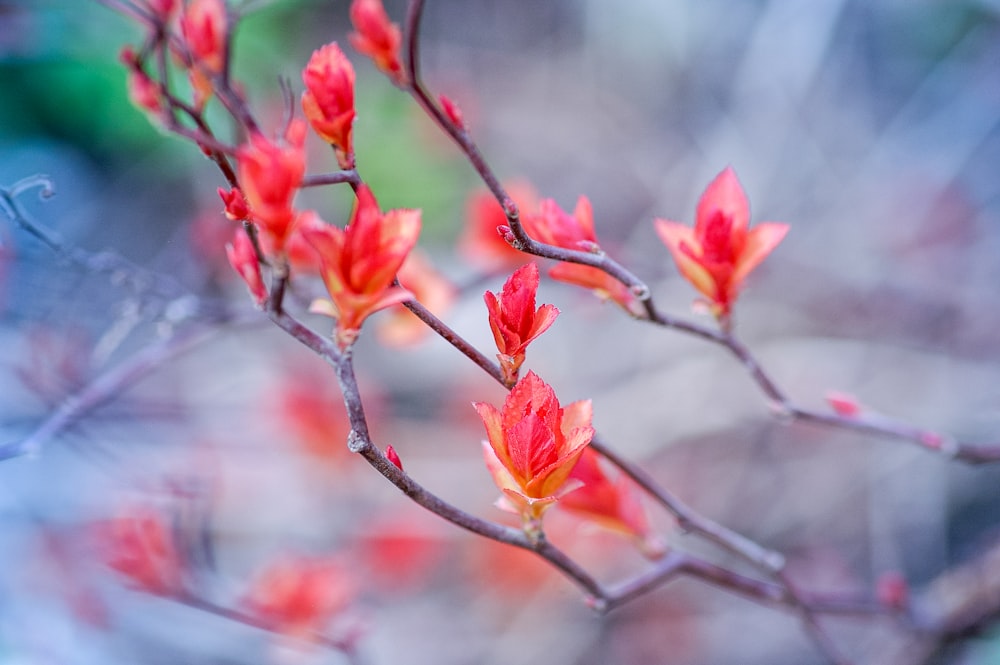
360, 262
514, 319
553, 226
377, 37
718, 254
328, 101
533, 444
243, 258
270, 174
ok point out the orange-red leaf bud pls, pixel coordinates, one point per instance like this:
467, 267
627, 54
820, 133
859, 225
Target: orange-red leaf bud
359, 263
533, 445
718, 254
515, 321
377, 37
328, 101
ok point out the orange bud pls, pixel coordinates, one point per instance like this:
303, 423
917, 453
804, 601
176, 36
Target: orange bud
359, 263
203, 26
533, 445
377, 37
243, 259
718, 254
432, 289
140, 546
237, 208
514, 319
328, 101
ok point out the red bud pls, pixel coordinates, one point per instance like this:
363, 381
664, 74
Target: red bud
393, 457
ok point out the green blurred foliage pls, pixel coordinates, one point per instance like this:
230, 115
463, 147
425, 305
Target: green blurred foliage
70, 88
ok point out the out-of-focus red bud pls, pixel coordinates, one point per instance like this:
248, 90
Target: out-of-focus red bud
140, 546
932, 440
843, 404
892, 590
163, 9
377, 37
243, 258
451, 110
203, 26
237, 208
297, 595
143, 92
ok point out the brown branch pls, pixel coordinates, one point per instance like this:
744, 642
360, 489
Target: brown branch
335, 178
461, 136
456, 340
346, 646
107, 386
689, 520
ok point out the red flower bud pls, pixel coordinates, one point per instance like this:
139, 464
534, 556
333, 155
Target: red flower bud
270, 174
487, 237
843, 404
140, 546
298, 595
892, 590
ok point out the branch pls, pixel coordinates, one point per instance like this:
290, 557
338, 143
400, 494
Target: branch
108, 385
461, 136
346, 646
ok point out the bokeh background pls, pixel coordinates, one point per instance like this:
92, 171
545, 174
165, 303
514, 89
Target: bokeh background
871, 127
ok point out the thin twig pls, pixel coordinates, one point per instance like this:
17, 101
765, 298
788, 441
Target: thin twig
346, 646
108, 385
524, 242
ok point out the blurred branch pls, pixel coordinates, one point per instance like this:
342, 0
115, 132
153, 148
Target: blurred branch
110, 384
346, 646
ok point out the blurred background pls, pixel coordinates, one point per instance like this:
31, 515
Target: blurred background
871, 127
